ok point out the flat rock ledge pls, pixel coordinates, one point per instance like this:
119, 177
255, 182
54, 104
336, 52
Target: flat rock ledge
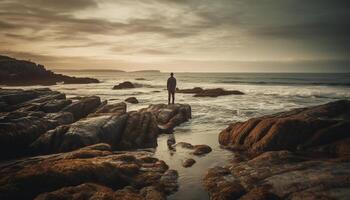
200, 92
300, 154
42, 121
93, 172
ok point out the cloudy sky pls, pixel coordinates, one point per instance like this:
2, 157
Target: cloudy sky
179, 35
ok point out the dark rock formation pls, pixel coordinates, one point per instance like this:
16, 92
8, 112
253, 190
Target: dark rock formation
217, 92
321, 128
33, 112
124, 85
299, 154
169, 116
93, 171
132, 100
140, 79
200, 92
188, 162
194, 90
20, 72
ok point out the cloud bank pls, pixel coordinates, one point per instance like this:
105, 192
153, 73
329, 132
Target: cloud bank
221, 34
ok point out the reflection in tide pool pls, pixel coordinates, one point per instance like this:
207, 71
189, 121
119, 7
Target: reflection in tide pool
190, 179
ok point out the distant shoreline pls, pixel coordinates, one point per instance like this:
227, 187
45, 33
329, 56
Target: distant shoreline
107, 70
158, 71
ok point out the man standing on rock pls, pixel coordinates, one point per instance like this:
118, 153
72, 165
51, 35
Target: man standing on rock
171, 86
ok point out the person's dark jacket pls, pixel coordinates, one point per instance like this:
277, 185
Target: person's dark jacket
171, 84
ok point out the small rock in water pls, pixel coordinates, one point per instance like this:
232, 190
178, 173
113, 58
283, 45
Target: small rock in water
185, 145
124, 85
201, 149
188, 162
171, 141
132, 100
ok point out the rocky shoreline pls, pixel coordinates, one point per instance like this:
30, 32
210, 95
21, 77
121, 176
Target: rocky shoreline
52, 146
299, 154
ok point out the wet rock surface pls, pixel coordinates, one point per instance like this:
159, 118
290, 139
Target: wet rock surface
299, 154
169, 116
93, 171
21, 72
200, 92
42, 121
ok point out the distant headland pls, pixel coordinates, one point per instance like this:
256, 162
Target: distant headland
15, 72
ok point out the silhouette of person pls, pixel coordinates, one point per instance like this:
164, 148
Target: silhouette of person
171, 86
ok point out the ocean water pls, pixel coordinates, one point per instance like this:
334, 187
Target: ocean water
265, 94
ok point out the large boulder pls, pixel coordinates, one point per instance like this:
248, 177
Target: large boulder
169, 116
322, 129
83, 107
93, 171
280, 175
20, 72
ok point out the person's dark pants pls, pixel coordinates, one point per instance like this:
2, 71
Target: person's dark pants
171, 94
